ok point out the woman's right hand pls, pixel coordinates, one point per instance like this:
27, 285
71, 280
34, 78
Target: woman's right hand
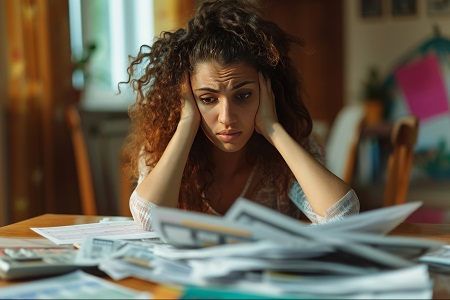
162, 185
189, 109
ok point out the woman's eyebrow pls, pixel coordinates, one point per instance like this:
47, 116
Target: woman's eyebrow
207, 89
239, 85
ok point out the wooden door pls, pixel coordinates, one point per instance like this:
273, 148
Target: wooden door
3, 95
320, 24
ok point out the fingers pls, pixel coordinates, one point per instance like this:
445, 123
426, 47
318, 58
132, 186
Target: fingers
262, 85
264, 81
189, 109
267, 97
186, 90
265, 88
266, 115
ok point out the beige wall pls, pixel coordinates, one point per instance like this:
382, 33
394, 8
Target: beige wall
383, 41
171, 14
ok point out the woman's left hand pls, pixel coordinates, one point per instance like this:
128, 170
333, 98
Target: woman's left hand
266, 115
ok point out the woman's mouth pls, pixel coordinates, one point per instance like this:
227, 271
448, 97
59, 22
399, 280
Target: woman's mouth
228, 135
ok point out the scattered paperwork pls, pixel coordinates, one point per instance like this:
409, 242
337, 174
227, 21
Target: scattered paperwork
256, 251
247, 221
267, 274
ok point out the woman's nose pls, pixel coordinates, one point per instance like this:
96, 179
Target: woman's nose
226, 114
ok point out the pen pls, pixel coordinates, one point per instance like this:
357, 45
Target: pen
138, 261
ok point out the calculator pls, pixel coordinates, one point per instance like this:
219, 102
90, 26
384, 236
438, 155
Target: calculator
23, 263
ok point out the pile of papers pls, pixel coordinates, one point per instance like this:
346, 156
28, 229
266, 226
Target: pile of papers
254, 251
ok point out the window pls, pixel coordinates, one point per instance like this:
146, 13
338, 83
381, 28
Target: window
117, 28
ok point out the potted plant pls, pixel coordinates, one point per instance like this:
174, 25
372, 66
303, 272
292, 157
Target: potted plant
80, 69
372, 95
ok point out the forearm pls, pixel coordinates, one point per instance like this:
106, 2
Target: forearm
321, 187
162, 185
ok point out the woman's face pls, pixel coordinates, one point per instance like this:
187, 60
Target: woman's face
228, 99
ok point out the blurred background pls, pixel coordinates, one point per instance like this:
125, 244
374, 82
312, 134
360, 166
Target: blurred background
57, 54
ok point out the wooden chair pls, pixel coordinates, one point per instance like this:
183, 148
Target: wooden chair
88, 203
403, 138
127, 187
342, 142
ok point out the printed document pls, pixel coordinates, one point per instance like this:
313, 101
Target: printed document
74, 234
76, 285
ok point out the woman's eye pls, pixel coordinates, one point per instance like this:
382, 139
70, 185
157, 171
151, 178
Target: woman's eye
208, 100
243, 96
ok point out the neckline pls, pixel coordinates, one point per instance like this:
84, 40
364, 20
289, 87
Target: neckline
249, 181
244, 191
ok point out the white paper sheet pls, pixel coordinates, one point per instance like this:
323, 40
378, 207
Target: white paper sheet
192, 229
264, 249
74, 234
414, 277
28, 243
437, 256
379, 221
76, 285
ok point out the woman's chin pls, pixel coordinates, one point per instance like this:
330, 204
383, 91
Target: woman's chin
229, 148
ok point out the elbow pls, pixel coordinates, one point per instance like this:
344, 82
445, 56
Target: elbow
350, 203
347, 206
144, 222
141, 211
355, 205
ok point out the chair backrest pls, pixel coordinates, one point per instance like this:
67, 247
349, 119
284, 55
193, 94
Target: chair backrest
343, 140
403, 138
84, 172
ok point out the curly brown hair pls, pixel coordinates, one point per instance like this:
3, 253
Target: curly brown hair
227, 32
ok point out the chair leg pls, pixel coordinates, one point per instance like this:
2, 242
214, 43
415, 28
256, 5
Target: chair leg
403, 185
126, 188
391, 179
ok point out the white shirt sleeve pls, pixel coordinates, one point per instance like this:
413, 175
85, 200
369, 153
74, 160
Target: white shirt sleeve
141, 208
141, 211
347, 205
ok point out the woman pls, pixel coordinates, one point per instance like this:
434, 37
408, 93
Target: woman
219, 114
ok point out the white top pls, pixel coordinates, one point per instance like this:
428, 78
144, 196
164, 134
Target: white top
267, 196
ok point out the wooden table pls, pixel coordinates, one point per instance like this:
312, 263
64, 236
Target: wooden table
22, 230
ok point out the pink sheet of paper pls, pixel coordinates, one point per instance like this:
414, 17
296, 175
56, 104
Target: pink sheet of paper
423, 86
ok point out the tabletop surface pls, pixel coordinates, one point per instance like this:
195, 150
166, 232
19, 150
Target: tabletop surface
22, 230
